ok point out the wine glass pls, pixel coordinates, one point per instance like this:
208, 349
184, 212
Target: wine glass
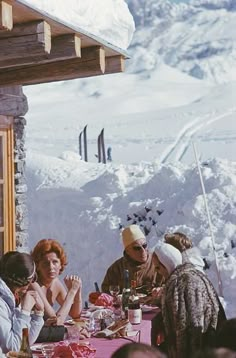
114, 291
47, 350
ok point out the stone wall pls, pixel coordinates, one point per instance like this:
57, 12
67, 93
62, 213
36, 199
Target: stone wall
14, 103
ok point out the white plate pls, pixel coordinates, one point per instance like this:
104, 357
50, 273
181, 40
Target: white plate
147, 308
141, 295
70, 322
37, 348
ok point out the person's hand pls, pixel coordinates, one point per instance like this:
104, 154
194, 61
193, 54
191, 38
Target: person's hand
34, 286
73, 282
157, 292
54, 321
31, 299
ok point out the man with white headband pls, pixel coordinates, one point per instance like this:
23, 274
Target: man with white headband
136, 259
191, 309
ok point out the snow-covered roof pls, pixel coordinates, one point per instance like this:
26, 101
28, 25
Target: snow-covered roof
47, 46
109, 20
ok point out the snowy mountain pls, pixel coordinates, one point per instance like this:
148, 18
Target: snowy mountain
198, 38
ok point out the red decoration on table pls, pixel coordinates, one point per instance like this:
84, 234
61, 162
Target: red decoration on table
73, 350
93, 296
104, 300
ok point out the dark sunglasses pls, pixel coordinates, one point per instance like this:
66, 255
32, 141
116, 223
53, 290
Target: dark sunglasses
140, 247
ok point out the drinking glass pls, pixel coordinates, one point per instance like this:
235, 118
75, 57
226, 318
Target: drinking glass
114, 291
73, 334
47, 350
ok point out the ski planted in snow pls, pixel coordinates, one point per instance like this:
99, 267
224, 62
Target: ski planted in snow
103, 146
99, 156
83, 134
85, 144
80, 144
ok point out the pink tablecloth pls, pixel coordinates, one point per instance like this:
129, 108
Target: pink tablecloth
105, 347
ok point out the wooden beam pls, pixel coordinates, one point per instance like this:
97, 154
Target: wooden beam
114, 64
63, 47
91, 63
32, 39
6, 17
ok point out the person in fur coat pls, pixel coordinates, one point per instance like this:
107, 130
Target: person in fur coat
191, 308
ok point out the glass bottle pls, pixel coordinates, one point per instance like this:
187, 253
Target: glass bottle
25, 346
134, 309
125, 293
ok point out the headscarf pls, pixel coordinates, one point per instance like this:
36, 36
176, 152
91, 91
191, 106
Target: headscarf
168, 256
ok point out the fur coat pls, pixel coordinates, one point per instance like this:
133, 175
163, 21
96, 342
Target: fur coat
191, 311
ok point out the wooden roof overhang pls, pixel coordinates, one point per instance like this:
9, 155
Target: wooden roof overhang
36, 47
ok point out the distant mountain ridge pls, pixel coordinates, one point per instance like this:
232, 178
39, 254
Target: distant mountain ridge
198, 38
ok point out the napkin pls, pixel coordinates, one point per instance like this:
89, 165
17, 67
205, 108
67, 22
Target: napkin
101, 313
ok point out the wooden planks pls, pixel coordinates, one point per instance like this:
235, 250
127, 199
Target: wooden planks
32, 39
115, 64
62, 48
91, 63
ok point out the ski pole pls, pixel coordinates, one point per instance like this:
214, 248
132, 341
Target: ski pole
209, 222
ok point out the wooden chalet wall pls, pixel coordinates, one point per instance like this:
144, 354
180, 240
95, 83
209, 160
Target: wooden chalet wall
13, 104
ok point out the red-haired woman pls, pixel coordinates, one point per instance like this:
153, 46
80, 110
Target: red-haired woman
50, 259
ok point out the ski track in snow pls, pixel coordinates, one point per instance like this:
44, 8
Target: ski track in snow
187, 133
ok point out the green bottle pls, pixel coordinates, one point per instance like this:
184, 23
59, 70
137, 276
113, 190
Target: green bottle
134, 309
126, 293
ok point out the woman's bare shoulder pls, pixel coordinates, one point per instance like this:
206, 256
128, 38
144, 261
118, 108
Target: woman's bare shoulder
57, 284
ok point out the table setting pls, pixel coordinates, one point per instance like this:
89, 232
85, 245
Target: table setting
101, 329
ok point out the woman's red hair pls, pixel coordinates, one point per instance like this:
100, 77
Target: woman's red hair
45, 246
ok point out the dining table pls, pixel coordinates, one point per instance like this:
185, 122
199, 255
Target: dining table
105, 347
